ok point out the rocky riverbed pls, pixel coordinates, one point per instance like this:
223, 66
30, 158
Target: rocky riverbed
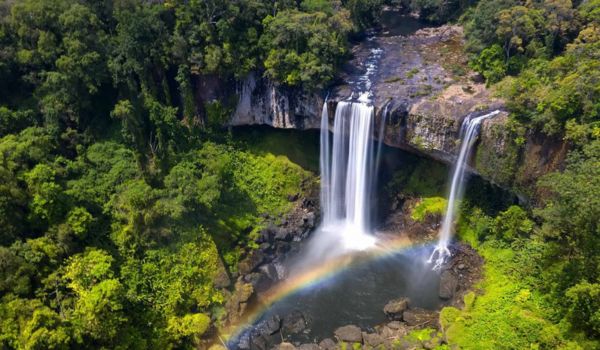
299, 327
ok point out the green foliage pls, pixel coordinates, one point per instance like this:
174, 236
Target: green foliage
490, 63
438, 11
425, 178
364, 13
507, 315
583, 306
429, 206
191, 325
304, 48
512, 224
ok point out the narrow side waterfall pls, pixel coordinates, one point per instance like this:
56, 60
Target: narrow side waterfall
468, 135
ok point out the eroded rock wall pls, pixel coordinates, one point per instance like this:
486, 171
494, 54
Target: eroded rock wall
425, 89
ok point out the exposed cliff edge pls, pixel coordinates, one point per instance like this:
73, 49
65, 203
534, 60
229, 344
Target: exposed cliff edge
425, 88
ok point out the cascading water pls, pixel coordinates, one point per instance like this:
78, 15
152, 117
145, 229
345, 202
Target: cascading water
468, 135
345, 181
347, 170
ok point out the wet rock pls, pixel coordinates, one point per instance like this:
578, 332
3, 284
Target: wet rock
259, 342
237, 303
251, 262
461, 266
311, 346
448, 285
270, 271
281, 248
294, 323
244, 342
394, 308
372, 339
349, 334
267, 234
283, 234
327, 344
269, 326
418, 317
309, 219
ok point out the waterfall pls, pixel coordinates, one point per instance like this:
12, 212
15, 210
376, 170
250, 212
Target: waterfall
468, 135
346, 174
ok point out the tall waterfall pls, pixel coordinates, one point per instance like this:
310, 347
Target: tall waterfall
468, 135
346, 174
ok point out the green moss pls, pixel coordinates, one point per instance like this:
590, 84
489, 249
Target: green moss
500, 164
394, 80
429, 206
411, 73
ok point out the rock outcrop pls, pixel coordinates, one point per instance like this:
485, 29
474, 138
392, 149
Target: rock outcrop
423, 89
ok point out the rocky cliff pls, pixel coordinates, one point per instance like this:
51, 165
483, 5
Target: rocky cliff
422, 91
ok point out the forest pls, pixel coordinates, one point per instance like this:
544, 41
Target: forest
122, 198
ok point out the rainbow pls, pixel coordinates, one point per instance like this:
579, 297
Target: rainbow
313, 277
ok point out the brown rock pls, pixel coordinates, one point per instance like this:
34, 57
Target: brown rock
372, 339
394, 308
349, 334
418, 317
327, 344
448, 284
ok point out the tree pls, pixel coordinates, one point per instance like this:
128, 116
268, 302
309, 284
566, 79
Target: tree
516, 27
303, 49
48, 203
572, 226
28, 324
99, 309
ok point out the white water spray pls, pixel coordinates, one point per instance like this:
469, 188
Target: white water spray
468, 135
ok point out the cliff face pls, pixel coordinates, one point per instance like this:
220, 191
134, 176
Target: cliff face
423, 89
260, 102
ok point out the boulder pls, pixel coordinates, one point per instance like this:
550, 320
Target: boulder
221, 279
393, 330
251, 262
267, 234
448, 285
270, 271
286, 346
372, 339
420, 317
281, 248
328, 344
259, 342
283, 234
309, 219
396, 325
349, 334
311, 346
269, 326
395, 308
294, 323
237, 303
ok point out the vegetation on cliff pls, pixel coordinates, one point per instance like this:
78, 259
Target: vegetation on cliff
122, 203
